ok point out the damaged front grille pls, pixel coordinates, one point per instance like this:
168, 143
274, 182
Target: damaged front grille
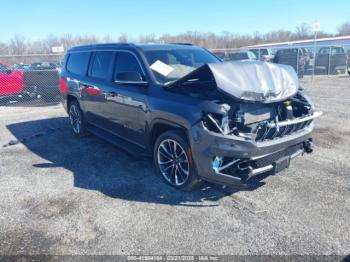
265, 132
262, 122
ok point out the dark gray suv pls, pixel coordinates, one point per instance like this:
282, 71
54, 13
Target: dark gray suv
200, 118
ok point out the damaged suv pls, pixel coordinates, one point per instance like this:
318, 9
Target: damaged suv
200, 118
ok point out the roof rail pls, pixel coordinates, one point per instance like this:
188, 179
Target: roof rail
108, 44
101, 45
181, 43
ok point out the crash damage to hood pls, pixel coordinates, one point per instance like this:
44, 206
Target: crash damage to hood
253, 81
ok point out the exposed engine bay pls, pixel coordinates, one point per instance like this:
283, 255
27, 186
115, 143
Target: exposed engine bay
256, 100
248, 104
260, 122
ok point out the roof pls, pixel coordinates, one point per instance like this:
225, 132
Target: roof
150, 46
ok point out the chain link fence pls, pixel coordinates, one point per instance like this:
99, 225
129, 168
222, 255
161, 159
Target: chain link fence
30, 80
33, 80
308, 60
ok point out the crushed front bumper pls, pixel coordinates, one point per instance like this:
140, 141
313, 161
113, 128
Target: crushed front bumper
232, 160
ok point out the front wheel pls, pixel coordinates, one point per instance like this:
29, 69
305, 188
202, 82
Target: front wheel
173, 160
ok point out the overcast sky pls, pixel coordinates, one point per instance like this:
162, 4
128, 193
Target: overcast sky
35, 19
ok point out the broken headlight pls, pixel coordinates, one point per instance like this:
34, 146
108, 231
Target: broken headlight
219, 122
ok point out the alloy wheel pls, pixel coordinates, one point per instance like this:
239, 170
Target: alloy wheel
173, 162
75, 119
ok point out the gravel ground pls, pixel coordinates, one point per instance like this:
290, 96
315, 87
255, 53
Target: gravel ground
63, 195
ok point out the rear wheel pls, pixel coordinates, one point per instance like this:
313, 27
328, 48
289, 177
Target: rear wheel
172, 156
76, 119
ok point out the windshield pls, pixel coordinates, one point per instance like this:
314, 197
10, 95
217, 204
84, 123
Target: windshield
172, 64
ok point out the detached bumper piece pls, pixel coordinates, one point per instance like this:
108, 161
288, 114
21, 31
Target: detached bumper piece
240, 171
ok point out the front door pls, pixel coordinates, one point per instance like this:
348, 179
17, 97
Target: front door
127, 103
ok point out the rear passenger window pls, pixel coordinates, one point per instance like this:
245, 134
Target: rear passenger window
78, 62
101, 64
126, 63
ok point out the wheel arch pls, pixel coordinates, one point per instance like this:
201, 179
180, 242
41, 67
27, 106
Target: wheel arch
69, 100
160, 126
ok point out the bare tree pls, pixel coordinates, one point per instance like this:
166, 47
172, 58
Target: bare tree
67, 41
303, 31
150, 38
344, 29
4, 49
18, 45
123, 38
108, 39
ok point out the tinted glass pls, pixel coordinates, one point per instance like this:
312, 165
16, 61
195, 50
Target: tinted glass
101, 64
238, 56
255, 51
251, 55
220, 55
126, 62
42, 66
78, 62
263, 52
3, 68
179, 62
337, 50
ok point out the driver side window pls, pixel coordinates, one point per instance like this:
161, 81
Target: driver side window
127, 68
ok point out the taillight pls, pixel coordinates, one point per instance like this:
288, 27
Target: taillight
63, 85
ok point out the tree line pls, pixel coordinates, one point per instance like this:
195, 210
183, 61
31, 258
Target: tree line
18, 45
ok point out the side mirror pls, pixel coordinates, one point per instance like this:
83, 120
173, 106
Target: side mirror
130, 78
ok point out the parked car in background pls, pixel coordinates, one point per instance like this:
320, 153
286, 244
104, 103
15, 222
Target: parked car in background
241, 55
58, 65
200, 118
348, 61
331, 60
43, 78
220, 54
298, 58
28, 83
235, 55
43, 66
11, 81
263, 54
20, 67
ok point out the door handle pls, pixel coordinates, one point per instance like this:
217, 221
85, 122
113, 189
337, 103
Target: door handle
113, 93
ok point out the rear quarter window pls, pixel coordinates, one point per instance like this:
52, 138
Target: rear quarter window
78, 62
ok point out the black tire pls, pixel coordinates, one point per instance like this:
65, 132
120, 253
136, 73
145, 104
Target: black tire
75, 114
178, 165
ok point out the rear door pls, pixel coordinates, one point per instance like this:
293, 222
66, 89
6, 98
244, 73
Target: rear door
96, 88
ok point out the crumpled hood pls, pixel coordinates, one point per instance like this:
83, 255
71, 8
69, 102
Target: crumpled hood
253, 81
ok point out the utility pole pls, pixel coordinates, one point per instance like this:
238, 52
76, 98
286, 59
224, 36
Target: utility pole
316, 30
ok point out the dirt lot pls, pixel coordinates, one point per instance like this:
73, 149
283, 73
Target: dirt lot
63, 195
